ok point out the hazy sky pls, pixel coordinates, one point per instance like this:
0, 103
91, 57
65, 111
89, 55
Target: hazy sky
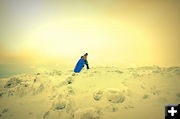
113, 32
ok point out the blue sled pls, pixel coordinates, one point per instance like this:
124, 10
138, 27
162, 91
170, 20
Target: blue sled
79, 66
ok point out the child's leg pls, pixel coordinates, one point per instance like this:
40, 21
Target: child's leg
87, 66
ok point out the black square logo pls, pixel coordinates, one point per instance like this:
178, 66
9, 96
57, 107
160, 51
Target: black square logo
172, 111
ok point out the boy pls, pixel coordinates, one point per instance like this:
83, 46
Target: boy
85, 60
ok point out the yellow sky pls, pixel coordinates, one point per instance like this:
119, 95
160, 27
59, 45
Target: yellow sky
113, 32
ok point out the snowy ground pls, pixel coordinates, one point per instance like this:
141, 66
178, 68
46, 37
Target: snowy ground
98, 93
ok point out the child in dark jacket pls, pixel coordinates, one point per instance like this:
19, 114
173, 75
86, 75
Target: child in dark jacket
85, 60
